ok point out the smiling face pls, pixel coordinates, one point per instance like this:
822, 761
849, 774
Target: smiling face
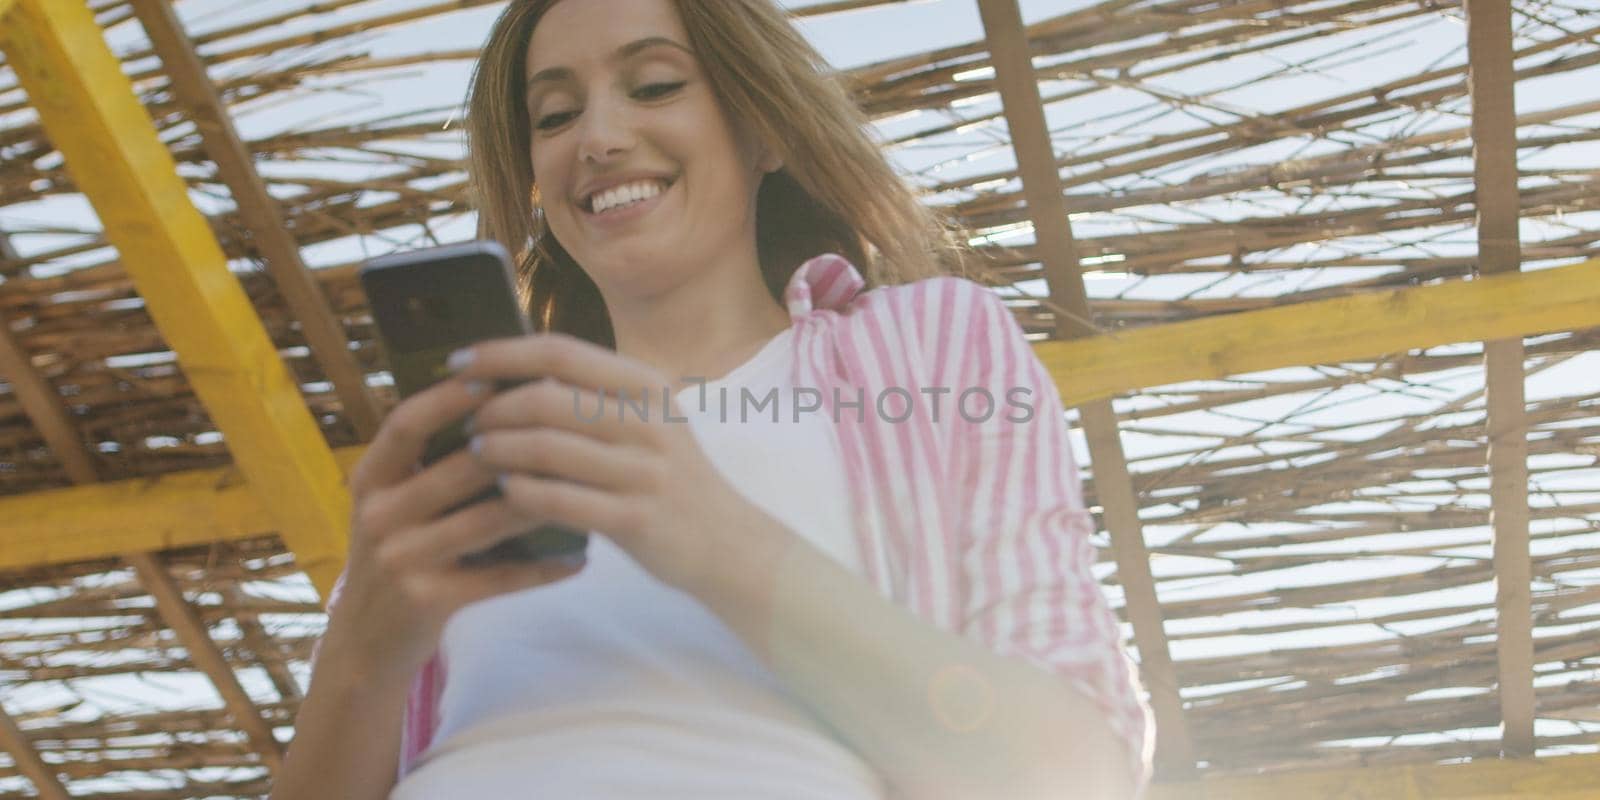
640, 173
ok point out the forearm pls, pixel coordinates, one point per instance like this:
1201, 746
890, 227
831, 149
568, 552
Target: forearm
347, 732
940, 716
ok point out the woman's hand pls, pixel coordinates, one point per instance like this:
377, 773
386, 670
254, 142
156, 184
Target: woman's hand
642, 482
403, 581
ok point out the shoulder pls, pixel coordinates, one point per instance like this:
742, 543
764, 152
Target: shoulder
828, 284
938, 295
936, 329
958, 328
940, 313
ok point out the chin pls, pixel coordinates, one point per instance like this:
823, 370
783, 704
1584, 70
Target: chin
631, 267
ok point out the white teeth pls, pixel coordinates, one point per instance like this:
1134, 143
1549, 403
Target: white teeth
627, 194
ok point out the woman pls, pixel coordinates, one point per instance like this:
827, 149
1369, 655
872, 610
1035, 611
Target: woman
867, 595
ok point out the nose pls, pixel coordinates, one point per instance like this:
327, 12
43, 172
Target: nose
605, 131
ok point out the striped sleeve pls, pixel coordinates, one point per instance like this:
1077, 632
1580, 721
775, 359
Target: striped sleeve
1023, 531
422, 713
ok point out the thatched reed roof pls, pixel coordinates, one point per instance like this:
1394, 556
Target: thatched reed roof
1319, 535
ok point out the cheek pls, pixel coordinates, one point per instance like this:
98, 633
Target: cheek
550, 178
552, 195
700, 127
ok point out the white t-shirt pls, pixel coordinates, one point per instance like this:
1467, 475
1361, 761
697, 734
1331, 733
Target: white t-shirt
613, 685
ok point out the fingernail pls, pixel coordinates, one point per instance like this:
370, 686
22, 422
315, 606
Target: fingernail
477, 388
458, 360
475, 444
470, 427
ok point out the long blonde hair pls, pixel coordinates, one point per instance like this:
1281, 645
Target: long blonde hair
835, 193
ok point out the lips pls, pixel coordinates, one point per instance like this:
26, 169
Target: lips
623, 216
588, 199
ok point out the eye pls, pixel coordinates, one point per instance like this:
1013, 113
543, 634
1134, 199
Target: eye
656, 91
651, 91
553, 121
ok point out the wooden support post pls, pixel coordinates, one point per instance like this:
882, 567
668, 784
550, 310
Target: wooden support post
89, 109
261, 215
16, 369
43, 406
182, 618
259, 639
46, 784
1041, 183
1492, 83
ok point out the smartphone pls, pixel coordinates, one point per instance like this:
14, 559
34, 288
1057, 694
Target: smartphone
428, 303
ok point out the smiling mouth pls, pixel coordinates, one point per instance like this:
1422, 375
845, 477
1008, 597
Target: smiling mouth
620, 197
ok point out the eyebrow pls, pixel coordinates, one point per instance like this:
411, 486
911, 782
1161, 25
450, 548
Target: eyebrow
622, 54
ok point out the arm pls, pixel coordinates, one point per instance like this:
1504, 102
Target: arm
347, 731
938, 715
402, 582
347, 734
1030, 589
1034, 697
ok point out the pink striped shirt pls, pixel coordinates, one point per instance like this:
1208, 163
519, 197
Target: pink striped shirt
978, 527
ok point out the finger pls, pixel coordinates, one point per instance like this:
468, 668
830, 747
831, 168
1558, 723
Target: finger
562, 454
493, 580
403, 436
427, 494
467, 530
568, 359
569, 503
550, 403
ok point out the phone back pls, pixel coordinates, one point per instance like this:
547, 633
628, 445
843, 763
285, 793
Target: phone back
427, 303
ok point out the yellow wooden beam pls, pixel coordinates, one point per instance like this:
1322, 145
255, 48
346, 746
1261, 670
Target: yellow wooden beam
1560, 778
269, 234
89, 110
108, 520
1341, 329
209, 505
44, 406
